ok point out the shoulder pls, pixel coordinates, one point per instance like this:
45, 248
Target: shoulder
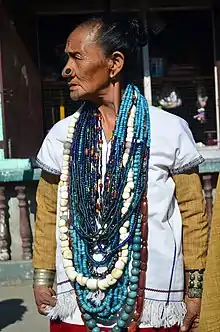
165, 120
59, 131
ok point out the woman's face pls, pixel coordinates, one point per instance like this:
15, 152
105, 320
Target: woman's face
87, 68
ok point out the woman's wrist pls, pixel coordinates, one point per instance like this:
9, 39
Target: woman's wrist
194, 283
43, 277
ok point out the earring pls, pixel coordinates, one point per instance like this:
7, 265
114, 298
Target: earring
68, 71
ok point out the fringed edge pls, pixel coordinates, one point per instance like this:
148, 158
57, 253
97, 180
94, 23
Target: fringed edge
65, 306
159, 314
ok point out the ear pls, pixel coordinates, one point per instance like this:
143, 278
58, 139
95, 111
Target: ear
116, 64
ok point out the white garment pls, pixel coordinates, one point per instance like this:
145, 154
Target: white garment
172, 151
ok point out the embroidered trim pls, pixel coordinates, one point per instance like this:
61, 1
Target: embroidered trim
164, 291
188, 166
46, 167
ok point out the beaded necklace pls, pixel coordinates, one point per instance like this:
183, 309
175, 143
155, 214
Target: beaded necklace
103, 217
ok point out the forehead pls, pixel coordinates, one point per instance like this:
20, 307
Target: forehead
81, 39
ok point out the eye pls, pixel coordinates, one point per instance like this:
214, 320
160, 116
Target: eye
75, 55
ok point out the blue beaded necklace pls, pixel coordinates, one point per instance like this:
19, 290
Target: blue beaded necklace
96, 202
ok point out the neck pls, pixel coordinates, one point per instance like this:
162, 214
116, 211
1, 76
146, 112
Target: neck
108, 107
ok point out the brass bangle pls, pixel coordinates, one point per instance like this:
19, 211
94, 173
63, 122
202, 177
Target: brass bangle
195, 283
43, 277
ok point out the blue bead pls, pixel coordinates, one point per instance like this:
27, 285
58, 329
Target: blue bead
132, 294
116, 329
136, 263
121, 323
134, 279
96, 329
87, 317
130, 301
137, 239
135, 271
133, 287
136, 247
91, 324
129, 308
136, 255
124, 316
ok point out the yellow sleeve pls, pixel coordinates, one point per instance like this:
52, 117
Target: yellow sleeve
44, 253
195, 223
210, 311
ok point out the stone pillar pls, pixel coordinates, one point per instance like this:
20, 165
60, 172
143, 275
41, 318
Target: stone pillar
25, 229
4, 232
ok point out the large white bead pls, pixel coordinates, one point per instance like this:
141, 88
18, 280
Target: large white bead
62, 223
64, 188
67, 263
120, 265
66, 157
63, 229
68, 254
127, 189
124, 253
64, 209
92, 284
64, 248
125, 246
71, 130
126, 195
130, 185
65, 163
130, 174
64, 243
63, 177
65, 171
63, 237
76, 115
63, 202
126, 224
71, 273
110, 280
123, 230
103, 284
116, 273
84, 281
124, 259
127, 204
64, 194
124, 210
79, 278
123, 237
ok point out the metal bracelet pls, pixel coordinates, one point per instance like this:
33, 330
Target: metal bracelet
195, 283
43, 277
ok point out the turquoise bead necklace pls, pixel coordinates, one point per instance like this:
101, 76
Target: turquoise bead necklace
96, 205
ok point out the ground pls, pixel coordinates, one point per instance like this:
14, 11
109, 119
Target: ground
18, 312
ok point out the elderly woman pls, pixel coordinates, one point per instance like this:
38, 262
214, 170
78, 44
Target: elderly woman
119, 186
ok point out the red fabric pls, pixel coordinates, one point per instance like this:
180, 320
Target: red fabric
64, 327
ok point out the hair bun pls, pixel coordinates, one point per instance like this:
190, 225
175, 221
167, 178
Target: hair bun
139, 32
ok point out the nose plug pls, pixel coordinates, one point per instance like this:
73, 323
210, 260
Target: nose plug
68, 71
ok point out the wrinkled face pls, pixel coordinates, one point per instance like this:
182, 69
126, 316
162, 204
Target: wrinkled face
87, 68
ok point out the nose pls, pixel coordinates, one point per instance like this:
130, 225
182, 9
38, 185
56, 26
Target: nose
67, 72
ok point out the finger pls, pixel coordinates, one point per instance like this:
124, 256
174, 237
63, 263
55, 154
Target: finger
46, 299
53, 293
187, 322
42, 309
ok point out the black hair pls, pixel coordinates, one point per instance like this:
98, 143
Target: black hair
121, 34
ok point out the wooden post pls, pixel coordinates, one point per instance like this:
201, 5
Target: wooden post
4, 234
207, 186
25, 229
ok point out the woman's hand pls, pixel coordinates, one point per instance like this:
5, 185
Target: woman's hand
191, 320
44, 296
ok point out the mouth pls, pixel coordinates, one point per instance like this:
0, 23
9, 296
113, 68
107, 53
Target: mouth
73, 86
